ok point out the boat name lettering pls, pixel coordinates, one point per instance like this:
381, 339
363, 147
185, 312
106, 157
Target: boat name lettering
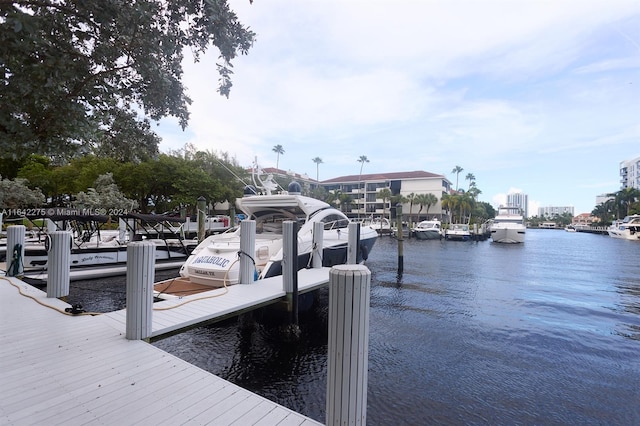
214, 260
204, 272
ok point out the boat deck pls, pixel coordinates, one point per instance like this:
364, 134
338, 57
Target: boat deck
177, 313
60, 369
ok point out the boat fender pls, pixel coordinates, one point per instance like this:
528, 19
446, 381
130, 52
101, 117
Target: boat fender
364, 251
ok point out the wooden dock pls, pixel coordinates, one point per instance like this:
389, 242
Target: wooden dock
58, 368
171, 316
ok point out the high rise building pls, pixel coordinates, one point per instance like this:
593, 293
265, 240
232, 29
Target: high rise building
630, 173
518, 199
552, 211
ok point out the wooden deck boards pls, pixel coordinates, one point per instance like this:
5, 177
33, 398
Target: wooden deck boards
204, 307
82, 370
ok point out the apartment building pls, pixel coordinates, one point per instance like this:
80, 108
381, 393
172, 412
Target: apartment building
552, 211
363, 191
630, 173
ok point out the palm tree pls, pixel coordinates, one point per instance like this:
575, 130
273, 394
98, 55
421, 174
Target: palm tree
385, 194
318, 161
457, 170
466, 204
427, 200
278, 149
345, 201
363, 159
395, 200
412, 198
471, 178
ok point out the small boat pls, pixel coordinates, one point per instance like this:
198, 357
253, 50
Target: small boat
458, 232
428, 230
626, 229
97, 252
215, 261
570, 228
380, 224
508, 226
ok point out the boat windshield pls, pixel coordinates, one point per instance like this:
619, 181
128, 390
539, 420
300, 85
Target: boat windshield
270, 222
334, 221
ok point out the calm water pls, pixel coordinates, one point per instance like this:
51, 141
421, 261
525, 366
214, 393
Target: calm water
547, 332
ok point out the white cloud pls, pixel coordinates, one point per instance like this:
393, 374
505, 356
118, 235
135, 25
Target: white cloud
507, 90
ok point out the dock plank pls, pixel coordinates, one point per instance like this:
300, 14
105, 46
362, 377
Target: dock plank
179, 313
82, 370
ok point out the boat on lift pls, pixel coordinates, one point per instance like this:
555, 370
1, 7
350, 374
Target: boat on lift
215, 261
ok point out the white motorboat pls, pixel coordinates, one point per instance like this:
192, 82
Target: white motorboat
215, 261
96, 252
428, 230
380, 224
626, 229
508, 226
458, 232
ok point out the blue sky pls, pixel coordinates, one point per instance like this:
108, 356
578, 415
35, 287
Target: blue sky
540, 97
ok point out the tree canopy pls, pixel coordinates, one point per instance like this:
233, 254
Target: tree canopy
88, 76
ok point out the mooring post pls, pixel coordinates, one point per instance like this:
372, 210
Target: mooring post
183, 215
141, 257
58, 246
353, 243
247, 270
400, 238
201, 206
290, 267
15, 250
318, 242
348, 345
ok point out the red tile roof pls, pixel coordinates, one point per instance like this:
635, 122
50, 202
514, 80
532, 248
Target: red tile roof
418, 174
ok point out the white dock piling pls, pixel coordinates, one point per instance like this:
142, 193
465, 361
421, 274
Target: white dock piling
354, 240
201, 205
290, 269
247, 251
140, 276
318, 237
15, 249
58, 245
348, 345
289, 255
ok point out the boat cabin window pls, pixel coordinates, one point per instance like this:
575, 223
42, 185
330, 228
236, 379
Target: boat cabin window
334, 221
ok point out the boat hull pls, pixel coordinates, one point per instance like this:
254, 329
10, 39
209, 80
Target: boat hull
508, 235
625, 234
428, 235
217, 263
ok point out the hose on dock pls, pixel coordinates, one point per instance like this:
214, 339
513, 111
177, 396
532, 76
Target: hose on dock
74, 311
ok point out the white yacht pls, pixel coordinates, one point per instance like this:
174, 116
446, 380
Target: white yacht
627, 228
508, 226
458, 232
428, 230
215, 261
